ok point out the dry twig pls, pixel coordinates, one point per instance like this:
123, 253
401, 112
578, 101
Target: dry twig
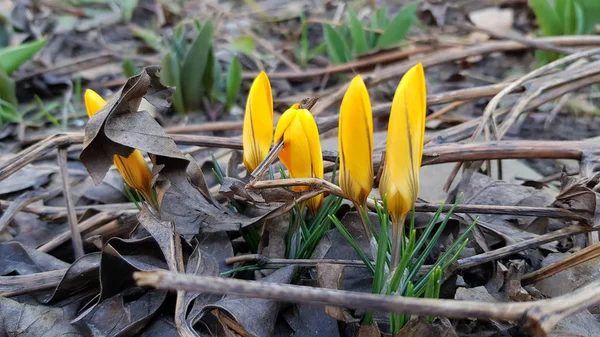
539, 317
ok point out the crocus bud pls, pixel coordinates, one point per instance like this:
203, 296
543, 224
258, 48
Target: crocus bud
301, 153
258, 122
406, 132
355, 140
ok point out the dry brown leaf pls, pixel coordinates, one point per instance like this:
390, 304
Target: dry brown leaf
581, 195
119, 127
331, 276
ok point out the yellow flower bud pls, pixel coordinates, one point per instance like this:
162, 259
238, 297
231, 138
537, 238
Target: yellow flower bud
406, 132
258, 122
133, 169
355, 140
301, 153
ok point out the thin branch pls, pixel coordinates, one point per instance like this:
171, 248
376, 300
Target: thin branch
577, 258
539, 316
395, 71
86, 225
72, 216
472, 261
326, 186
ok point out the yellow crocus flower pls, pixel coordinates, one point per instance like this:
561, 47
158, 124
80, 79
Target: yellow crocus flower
258, 122
406, 132
133, 169
301, 153
355, 140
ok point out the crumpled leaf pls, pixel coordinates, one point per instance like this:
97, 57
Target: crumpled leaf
199, 263
16, 258
120, 258
26, 320
480, 189
581, 195
355, 279
331, 276
26, 177
118, 127
124, 314
311, 321
82, 274
183, 202
256, 317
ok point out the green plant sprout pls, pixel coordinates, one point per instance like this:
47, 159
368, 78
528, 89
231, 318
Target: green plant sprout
196, 74
405, 280
351, 39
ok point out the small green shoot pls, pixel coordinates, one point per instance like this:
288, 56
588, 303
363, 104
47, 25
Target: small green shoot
354, 38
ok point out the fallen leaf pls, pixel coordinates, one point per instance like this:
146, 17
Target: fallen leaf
27, 177
21, 260
253, 316
310, 321
118, 128
124, 314
27, 320
331, 276
581, 195
184, 204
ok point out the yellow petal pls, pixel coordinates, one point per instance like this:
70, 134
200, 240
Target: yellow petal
404, 149
93, 102
258, 122
355, 139
134, 170
301, 153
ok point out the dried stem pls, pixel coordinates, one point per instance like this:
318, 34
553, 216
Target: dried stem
579, 257
469, 262
264, 260
539, 316
260, 170
86, 225
322, 185
25, 284
72, 216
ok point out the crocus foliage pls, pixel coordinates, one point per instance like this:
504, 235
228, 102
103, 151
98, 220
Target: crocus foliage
301, 153
355, 139
133, 169
258, 122
400, 178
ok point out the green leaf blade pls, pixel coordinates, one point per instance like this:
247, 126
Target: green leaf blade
234, 81
336, 47
194, 67
12, 58
357, 32
398, 28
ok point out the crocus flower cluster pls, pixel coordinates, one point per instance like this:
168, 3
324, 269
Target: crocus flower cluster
399, 184
302, 156
301, 152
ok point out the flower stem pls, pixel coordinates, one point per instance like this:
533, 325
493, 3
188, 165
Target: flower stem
397, 238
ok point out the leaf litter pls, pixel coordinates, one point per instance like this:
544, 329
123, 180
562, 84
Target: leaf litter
197, 229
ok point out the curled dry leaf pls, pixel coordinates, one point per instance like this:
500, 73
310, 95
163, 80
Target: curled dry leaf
183, 202
119, 128
581, 195
331, 276
18, 259
250, 316
20, 319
